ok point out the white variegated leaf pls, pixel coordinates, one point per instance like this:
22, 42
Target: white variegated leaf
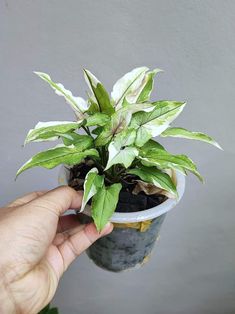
80, 140
151, 124
125, 138
144, 91
124, 156
127, 86
133, 108
97, 119
164, 160
183, 133
49, 131
141, 88
91, 185
120, 121
120, 155
78, 104
60, 154
156, 177
99, 94
122, 117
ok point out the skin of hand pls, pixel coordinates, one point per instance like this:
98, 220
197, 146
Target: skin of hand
37, 245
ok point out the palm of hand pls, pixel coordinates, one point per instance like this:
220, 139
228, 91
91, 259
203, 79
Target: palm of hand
38, 247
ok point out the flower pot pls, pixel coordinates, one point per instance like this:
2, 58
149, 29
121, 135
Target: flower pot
134, 234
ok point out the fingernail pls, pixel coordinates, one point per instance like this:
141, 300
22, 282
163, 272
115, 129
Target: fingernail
107, 229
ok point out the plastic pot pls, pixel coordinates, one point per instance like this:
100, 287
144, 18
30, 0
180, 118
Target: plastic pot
134, 234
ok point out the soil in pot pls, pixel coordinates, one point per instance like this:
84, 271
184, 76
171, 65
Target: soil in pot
129, 245
128, 202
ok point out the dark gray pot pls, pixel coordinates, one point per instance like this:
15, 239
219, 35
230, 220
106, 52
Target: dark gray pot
128, 247
125, 248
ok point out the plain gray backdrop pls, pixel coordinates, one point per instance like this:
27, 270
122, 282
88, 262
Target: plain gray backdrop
192, 269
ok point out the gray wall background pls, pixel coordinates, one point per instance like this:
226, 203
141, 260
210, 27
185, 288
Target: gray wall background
192, 269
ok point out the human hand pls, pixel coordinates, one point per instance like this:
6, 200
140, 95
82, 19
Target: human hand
37, 245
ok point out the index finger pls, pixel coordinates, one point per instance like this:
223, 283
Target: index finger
25, 199
58, 200
37, 220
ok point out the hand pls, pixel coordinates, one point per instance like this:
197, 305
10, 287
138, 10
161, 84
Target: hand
37, 245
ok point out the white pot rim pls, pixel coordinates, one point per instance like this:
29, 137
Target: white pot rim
139, 216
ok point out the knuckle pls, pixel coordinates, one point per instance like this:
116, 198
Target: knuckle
49, 206
91, 233
66, 189
73, 247
38, 193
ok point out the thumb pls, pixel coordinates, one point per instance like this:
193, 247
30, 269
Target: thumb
75, 242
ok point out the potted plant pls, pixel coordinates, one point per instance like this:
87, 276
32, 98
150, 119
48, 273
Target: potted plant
127, 176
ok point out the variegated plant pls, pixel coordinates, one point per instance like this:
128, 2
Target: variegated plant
116, 135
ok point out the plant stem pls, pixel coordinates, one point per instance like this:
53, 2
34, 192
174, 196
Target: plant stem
112, 171
86, 129
104, 155
134, 163
121, 171
98, 165
108, 180
101, 156
110, 176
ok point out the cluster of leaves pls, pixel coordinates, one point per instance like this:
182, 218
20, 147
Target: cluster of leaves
118, 138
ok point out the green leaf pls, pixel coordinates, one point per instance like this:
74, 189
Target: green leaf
151, 124
48, 310
129, 108
53, 311
97, 119
82, 141
104, 203
51, 158
91, 185
183, 133
120, 121
125, 138
120, 155
49, 131
45, 310
156, 177
100, 94
78, 104
151, 144
164, 160
104, 136
97, 130
127, 85
93, 106
147, 86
